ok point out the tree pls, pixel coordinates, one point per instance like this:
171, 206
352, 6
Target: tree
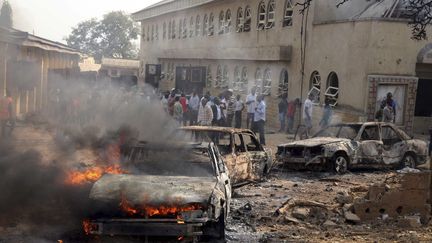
6, 15
419, 12
111, 37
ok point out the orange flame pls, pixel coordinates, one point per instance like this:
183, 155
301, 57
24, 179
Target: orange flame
87, 226
151, 211
91, 175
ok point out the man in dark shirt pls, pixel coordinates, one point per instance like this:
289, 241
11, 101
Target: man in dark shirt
283, 109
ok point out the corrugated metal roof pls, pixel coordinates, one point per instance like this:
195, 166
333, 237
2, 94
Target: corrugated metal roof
120, 63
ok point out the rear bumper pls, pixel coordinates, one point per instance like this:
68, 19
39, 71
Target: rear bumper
145, 227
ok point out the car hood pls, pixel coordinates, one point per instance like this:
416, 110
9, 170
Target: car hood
313, 142
153, 190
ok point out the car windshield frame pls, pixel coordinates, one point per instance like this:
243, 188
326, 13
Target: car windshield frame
355, 127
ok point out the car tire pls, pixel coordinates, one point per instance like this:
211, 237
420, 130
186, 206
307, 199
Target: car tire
215, 232
340, 163
409, 160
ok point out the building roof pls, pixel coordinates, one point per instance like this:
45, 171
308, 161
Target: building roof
120, 63
88, 64
167, 6
326, 10
22, 38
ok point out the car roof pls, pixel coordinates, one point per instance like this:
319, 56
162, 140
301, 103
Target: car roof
363, 123
216, 129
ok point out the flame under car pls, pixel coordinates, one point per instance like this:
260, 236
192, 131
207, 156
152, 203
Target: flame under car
176, 191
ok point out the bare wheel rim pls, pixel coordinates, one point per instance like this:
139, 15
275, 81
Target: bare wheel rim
341, 164
409, 161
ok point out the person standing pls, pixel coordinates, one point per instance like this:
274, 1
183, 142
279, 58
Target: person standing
164, 101
292, 108
184, 103
205, 118
231, 101
250, 103
171, 102
307, 114
178, 110
283, 109
239, 107
194, 104
327, 114
260, 118
389, 100
5, 112
218, 115
388, 112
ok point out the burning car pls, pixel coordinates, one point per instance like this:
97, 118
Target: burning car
350, 145
247, 160
175, 190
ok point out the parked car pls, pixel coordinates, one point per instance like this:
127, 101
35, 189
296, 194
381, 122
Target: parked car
174, 190
247, 160
349, 145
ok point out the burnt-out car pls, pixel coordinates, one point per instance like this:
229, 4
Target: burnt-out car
247, 160
343, 146
173, 191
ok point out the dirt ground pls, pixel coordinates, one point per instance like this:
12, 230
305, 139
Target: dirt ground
254, 215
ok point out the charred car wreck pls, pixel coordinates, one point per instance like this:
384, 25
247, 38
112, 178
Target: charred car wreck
174, 191
344, 146
247, 160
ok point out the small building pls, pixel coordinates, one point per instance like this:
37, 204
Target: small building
122, 72
30, 67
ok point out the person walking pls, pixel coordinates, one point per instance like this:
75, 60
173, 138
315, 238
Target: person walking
292, 108
250, 103
194, 104
239, 107
307, 114
205, 118
283, 109
178, 110
327, 115
231, 102
260, 118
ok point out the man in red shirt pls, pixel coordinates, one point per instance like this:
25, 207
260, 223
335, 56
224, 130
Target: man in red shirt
292, 107
184, 103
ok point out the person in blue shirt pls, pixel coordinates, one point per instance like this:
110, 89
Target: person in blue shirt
260, 118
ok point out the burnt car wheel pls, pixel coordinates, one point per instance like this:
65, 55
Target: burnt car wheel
340, 163
408, 160
215, 232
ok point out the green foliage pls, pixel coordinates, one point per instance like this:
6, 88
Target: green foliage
6, 15
110, 37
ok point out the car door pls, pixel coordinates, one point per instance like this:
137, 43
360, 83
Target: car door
394, 145
371, 146
222, 174
257, 156
241, 159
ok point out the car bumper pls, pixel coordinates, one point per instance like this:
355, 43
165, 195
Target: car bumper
145, 227
317, 160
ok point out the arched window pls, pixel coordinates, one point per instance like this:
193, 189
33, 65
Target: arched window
191, 27
169, 30
218, 76
152, 33
225, 79
262, 13
211, 25
205, 25
157, 32
244, 80
148, 33
288, 13
332, 91
267, 82
237, 78
185, 31
315, 87
240, 20
258, 80
271, 14
143, 33
209, 76
283, 83
180, 31
198, 26
227, 27
164, 31
248, 19
221, 22
173, 33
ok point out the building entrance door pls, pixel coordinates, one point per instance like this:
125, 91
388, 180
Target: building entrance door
189, 79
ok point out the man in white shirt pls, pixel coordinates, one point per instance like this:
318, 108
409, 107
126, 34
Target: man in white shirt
307, 114
194, 104
260, 118
239, 107
250, 103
